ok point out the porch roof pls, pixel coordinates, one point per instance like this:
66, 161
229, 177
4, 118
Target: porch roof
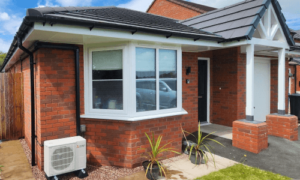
238, 21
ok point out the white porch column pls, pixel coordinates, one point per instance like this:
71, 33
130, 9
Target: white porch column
250, 83
281, 81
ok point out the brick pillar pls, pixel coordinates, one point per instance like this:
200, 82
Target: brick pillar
251, 136
285, 126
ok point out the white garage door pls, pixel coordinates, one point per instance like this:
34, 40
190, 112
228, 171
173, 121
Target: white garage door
261, 88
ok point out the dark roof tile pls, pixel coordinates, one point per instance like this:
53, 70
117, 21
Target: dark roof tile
121, 17
232, 21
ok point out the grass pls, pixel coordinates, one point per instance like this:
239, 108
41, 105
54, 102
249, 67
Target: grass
239, 171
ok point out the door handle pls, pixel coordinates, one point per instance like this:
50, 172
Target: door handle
199, 96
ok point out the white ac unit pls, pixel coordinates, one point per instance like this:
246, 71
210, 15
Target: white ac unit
64, 155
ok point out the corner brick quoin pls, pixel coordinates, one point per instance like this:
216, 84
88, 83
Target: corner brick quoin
283, 126
250, 137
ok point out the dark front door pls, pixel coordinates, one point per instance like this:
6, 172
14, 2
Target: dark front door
202, 91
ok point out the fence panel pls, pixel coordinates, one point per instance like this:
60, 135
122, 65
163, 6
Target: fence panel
11, 106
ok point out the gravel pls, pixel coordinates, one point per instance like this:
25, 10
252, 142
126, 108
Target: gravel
99, 173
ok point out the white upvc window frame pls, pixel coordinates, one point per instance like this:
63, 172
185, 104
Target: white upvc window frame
179, 80
129, 84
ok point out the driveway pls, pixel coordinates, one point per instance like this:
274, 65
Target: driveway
282, 156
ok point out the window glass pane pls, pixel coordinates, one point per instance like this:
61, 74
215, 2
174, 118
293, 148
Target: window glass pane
107, 64
145, 79
167, 79
107, 69
108, 94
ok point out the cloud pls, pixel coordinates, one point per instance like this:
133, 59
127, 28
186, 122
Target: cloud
11, 25
4, 45
48, 3
51, 3
139, 5
4, 16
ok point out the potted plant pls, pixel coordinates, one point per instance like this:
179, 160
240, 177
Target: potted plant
153, 166
199, 150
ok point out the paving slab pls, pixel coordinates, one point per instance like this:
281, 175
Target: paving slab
220, 131
13, 158
183, 169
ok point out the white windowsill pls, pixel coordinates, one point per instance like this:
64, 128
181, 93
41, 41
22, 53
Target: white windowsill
139, 118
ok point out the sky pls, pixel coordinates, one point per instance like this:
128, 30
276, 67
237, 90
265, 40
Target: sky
13, 11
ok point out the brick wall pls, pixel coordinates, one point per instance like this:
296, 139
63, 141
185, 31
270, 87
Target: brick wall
55, 96
274, 86
229, 86
119, 143
298, 78
171, 10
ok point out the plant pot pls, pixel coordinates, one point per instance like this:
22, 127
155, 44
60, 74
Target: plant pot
198, 161
153, 173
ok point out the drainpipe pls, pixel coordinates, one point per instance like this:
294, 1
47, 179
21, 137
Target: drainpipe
32, 100
77, 83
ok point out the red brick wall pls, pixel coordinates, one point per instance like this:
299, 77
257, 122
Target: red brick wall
119, 143
55, 96
274, 85
298, 78
229, 85
171, 10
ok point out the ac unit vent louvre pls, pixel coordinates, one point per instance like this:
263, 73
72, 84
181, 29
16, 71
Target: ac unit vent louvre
62, 158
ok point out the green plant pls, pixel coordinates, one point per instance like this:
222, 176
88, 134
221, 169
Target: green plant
0, 168
201, 145
156, 150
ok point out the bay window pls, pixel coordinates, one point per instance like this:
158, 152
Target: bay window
132, 82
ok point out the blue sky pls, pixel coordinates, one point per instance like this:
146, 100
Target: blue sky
13, 11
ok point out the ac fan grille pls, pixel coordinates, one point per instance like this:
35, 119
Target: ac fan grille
62, 158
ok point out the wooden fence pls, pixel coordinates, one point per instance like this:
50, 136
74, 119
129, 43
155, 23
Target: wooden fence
11, 106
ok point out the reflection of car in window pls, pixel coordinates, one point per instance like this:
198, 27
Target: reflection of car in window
146, 95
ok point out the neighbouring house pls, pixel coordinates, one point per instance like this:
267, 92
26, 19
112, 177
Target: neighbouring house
294, 68
123, 73
177, 9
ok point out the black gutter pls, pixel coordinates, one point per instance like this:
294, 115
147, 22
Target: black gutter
32, 100
38, 45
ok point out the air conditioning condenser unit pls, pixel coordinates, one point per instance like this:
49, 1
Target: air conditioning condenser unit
64, 156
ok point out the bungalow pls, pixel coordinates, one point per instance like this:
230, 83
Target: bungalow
123, 73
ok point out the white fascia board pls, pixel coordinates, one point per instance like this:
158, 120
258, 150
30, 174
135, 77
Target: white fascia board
123, 35
256, 41
236, 43
293, 53
269, 43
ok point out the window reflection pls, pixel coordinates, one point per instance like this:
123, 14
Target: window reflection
146, 79
107, 79
167, 79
